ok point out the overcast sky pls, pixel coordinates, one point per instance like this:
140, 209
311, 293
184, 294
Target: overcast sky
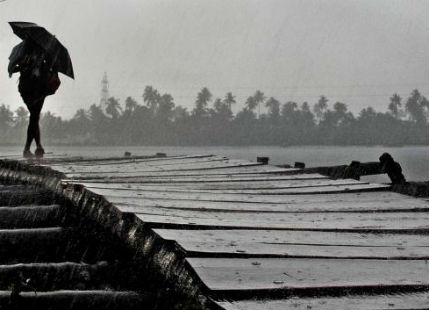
358, 52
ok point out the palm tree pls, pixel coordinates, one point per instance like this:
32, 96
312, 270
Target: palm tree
250, 104
52, 125
151, 97
165, 108
340, 108
273, 106
180, 113
289, 108
416, 105
222, 110
130, 104
218, 105
81, 122
80, 115
113, 108
394, 105
259, 98
320, 107
305, 107
203, 98
229, 99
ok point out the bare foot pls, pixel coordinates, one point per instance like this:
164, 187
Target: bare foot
39, 152
27, 154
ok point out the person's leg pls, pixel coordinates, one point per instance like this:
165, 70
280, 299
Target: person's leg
30, 137
33, 131
38, 108
30, 133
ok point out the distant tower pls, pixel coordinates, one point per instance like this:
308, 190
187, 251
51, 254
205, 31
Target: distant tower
104, 89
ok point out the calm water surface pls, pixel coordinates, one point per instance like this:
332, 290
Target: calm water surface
413, 159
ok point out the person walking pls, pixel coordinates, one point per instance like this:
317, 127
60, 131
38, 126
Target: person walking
38, 59
38, 79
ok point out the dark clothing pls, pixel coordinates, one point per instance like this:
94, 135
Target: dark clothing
30, 88
37, 77
34, 88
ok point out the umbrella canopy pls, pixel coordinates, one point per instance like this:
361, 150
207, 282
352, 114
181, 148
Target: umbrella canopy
49, 43
17, 52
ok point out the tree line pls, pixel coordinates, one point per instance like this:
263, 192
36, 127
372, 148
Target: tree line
157, 120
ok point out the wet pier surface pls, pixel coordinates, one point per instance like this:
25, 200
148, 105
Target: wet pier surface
235, 234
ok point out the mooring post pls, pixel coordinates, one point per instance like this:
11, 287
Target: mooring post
299, 165
392, 168
352, 171
263, 159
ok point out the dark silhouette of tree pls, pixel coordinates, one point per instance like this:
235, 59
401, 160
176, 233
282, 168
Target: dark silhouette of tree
151, 97
52, 127
251, 104
320, 107
395, 105
180, 113
199, 129
416, 107
288, 110
203, 98
130, 104
113, 108
307, 118
222, 110
273, 106
259, 99
160, 121
340, 108
229, 99
100, 125
6, 118
269, 124
164, 112
142, 128
80, 124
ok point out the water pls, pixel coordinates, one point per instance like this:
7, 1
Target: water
413, 159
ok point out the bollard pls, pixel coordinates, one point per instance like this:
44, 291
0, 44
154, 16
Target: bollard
352, 171
262, 159
299, 165
392, 168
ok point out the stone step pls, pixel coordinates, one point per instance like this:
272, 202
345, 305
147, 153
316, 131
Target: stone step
13, 195
13, 187
34, 245
57, 276
76, 300
54, 244
31, 216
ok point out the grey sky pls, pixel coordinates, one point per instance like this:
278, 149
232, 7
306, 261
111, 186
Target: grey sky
358, 52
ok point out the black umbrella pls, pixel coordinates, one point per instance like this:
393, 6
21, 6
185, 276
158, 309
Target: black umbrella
17, 52
49, 43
